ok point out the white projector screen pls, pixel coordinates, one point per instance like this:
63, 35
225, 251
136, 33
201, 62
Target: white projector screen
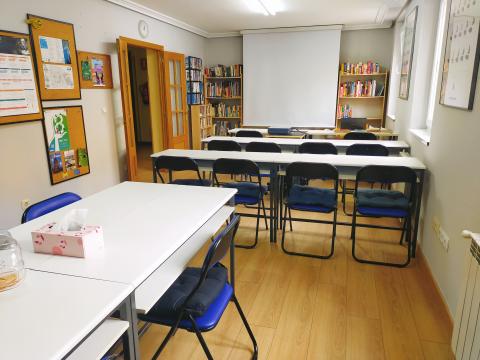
290, 78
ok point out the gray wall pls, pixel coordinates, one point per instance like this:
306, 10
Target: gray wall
23, 157
452, 190
225, 51
364, 45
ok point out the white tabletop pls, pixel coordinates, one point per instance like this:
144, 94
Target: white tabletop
143, 225
48, 314
315, 132
391, 144
286, 158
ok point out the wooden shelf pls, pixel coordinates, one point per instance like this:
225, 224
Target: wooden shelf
224, 98
226, 117
361, 97
223, 77
374, 74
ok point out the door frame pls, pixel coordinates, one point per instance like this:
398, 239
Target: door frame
128, 120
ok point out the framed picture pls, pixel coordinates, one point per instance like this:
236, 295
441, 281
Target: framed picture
462, 55
407, 53
66, 144
19, 97
95, 70
56, 58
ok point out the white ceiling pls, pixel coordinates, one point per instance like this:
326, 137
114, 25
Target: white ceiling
225, 16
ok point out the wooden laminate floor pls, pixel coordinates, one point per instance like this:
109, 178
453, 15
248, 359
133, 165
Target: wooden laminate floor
301, 308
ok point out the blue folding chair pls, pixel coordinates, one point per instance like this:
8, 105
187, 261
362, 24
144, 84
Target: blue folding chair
385, 203
48, 205
311, 199
179, 163
248, 192
197, 299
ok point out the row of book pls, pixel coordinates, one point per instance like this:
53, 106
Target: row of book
194, 75
224, 89
344, 111
225, 111
224, 71
369, 67
205, 122
192, 62
358, 88
194, 99
221, 127
194, 86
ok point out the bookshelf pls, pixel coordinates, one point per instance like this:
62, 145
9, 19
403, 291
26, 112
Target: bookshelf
362, 93
194, 72
224, 92
201, 124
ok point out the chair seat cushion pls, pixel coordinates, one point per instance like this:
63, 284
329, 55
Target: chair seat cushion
247, 189
192, 182
170, 303
382, 212
301, 195
376, 198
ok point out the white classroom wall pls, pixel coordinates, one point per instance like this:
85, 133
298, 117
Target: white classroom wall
452, 183
23, 157
224, 50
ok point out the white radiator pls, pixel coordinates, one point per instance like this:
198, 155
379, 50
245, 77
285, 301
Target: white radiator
466, 331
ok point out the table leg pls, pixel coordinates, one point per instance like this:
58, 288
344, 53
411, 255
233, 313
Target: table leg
231, 202
154, 172
272, 204
128, 312
417, 212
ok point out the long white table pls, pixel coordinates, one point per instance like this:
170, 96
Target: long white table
150, 232
323, 133
346, 165
291, 145
47, 315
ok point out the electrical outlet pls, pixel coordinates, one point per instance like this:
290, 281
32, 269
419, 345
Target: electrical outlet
444, 239
25, 203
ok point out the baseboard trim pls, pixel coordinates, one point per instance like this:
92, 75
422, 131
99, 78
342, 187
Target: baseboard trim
423, 260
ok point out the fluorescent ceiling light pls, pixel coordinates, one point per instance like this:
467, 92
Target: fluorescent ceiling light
264, 7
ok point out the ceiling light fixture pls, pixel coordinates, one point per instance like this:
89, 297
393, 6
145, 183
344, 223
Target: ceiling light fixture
260, 6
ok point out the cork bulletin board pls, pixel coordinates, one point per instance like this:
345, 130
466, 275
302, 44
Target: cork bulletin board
56, 58
95, 70
19, 97
66, 144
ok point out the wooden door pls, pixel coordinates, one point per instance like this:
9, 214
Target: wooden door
128, 117
176, 96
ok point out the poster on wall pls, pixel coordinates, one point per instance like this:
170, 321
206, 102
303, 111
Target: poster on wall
19, 98
66, 143
407, 53
95, 70
462, 55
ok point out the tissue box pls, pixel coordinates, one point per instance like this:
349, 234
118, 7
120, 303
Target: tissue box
82, 243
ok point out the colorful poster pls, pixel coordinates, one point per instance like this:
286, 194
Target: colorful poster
17, 79
56, 163
56, 127
86, 70
55, 50
58, 77
97, 71
82, 156
70, 161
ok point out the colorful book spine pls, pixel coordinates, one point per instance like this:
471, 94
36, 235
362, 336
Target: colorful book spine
360, 68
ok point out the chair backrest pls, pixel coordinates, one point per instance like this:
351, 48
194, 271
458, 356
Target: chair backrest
317, 148
367, 150
224, 145
249, 133
235, 167
48, 205
216, 252
360, 135
311, 171
268, 147
387, 175
175, 163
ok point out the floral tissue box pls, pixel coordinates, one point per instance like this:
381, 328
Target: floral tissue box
82, 243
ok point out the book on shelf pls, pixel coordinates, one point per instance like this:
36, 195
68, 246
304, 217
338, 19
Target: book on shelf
222, 110
367, 88
224, 71
193, 68
360, 68
344, 111
221, 128
224, 89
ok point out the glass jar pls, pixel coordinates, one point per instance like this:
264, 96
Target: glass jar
12, 269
